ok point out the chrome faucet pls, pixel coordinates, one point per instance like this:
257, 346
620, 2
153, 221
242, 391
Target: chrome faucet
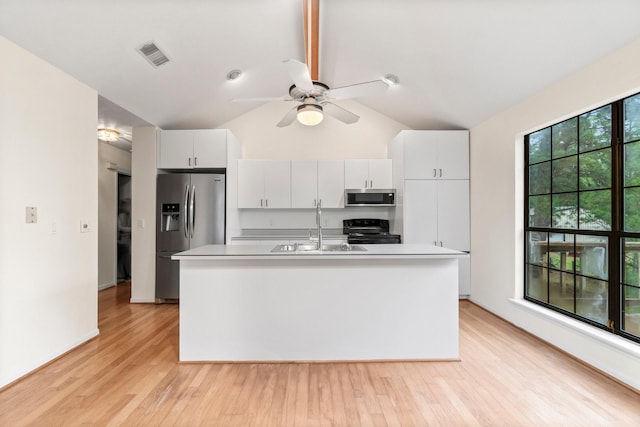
319, 224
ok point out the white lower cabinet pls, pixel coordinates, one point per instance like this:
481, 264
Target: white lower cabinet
437, 212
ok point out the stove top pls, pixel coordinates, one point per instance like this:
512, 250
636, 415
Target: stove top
368, 231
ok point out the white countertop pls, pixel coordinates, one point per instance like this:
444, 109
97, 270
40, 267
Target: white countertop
401, 251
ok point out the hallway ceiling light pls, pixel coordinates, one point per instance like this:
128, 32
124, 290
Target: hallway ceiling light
108, 135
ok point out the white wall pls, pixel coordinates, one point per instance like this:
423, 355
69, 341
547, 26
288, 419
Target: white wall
48, 159
330, 140
111, 160
497, 212
143, 215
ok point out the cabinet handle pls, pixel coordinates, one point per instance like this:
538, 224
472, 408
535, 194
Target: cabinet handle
365, 183
371, 184
435, 243
189, 161
440, 243
195, 161
260, 202
314, 203
434, 173
440, 173
266, 203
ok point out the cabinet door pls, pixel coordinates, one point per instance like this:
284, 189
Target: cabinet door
176, 149
420, 211
420, 155
331, 183
356, 174
277, 184
453, 214
380, 173
304, 183
453, 155
250, 184
210, 148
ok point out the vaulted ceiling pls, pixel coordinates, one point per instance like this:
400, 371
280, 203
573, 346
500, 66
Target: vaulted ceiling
459, 61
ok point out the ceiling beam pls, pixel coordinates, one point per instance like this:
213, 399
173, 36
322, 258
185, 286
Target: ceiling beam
311, 24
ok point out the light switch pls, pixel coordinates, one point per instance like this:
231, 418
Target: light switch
141, 223
32, 215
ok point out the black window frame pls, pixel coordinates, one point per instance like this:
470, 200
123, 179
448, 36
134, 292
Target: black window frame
615, 236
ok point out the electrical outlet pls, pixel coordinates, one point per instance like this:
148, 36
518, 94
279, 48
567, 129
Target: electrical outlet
32, 215
84, 226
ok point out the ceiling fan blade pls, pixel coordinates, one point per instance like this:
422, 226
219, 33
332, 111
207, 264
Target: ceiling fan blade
299, 74
340, 113
374, 87
288, 118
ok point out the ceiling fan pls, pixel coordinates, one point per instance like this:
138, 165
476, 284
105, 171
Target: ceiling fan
314, 96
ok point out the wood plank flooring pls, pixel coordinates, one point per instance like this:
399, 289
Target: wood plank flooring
129, 376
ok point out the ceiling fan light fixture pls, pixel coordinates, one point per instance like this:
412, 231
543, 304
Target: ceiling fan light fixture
310, 114
391, 79
234, 75
108, 135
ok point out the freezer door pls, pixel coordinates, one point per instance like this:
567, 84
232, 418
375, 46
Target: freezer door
172, 230
167, 277
207, 219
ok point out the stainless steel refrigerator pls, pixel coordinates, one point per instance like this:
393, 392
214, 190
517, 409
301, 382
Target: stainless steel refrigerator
191, 213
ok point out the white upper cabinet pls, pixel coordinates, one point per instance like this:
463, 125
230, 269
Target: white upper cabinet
317, 180
331, 183
436, 154
192, 149
264, 184
304, 183
373, 173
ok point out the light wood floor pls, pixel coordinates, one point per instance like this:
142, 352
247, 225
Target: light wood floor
129, 375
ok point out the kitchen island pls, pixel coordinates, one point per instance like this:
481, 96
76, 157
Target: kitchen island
390, 302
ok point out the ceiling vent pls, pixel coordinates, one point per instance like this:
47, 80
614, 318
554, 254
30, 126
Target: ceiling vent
154, 55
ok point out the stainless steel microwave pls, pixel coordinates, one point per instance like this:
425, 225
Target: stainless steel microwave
369, 197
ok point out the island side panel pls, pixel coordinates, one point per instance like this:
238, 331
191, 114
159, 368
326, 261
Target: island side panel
318, 310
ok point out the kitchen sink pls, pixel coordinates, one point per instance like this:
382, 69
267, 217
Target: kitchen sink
313, 248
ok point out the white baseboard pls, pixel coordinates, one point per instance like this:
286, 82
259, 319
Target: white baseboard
106, 286
8, 379
142, 300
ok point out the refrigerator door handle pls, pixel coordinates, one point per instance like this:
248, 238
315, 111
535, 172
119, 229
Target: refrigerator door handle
186, 211
192, 209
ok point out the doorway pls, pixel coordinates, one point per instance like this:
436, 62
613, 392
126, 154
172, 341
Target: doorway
123, 230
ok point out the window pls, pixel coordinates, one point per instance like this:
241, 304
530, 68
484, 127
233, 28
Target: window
582, 225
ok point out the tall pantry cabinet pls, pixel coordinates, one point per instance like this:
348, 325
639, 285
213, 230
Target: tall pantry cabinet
431, 170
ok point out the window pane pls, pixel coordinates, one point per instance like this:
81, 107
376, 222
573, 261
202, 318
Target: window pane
595, 210
631, 257
561, 254
632, 164
540, 146
540, 178
565, 174
564, 210
564, 138
540, 211
595, 129
632, 209
592, 299
537, 248
595, 170
537, 283
632, 118
561, 289
631, 310
593, 256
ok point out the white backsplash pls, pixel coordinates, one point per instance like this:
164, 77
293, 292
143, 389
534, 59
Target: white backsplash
306, 218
